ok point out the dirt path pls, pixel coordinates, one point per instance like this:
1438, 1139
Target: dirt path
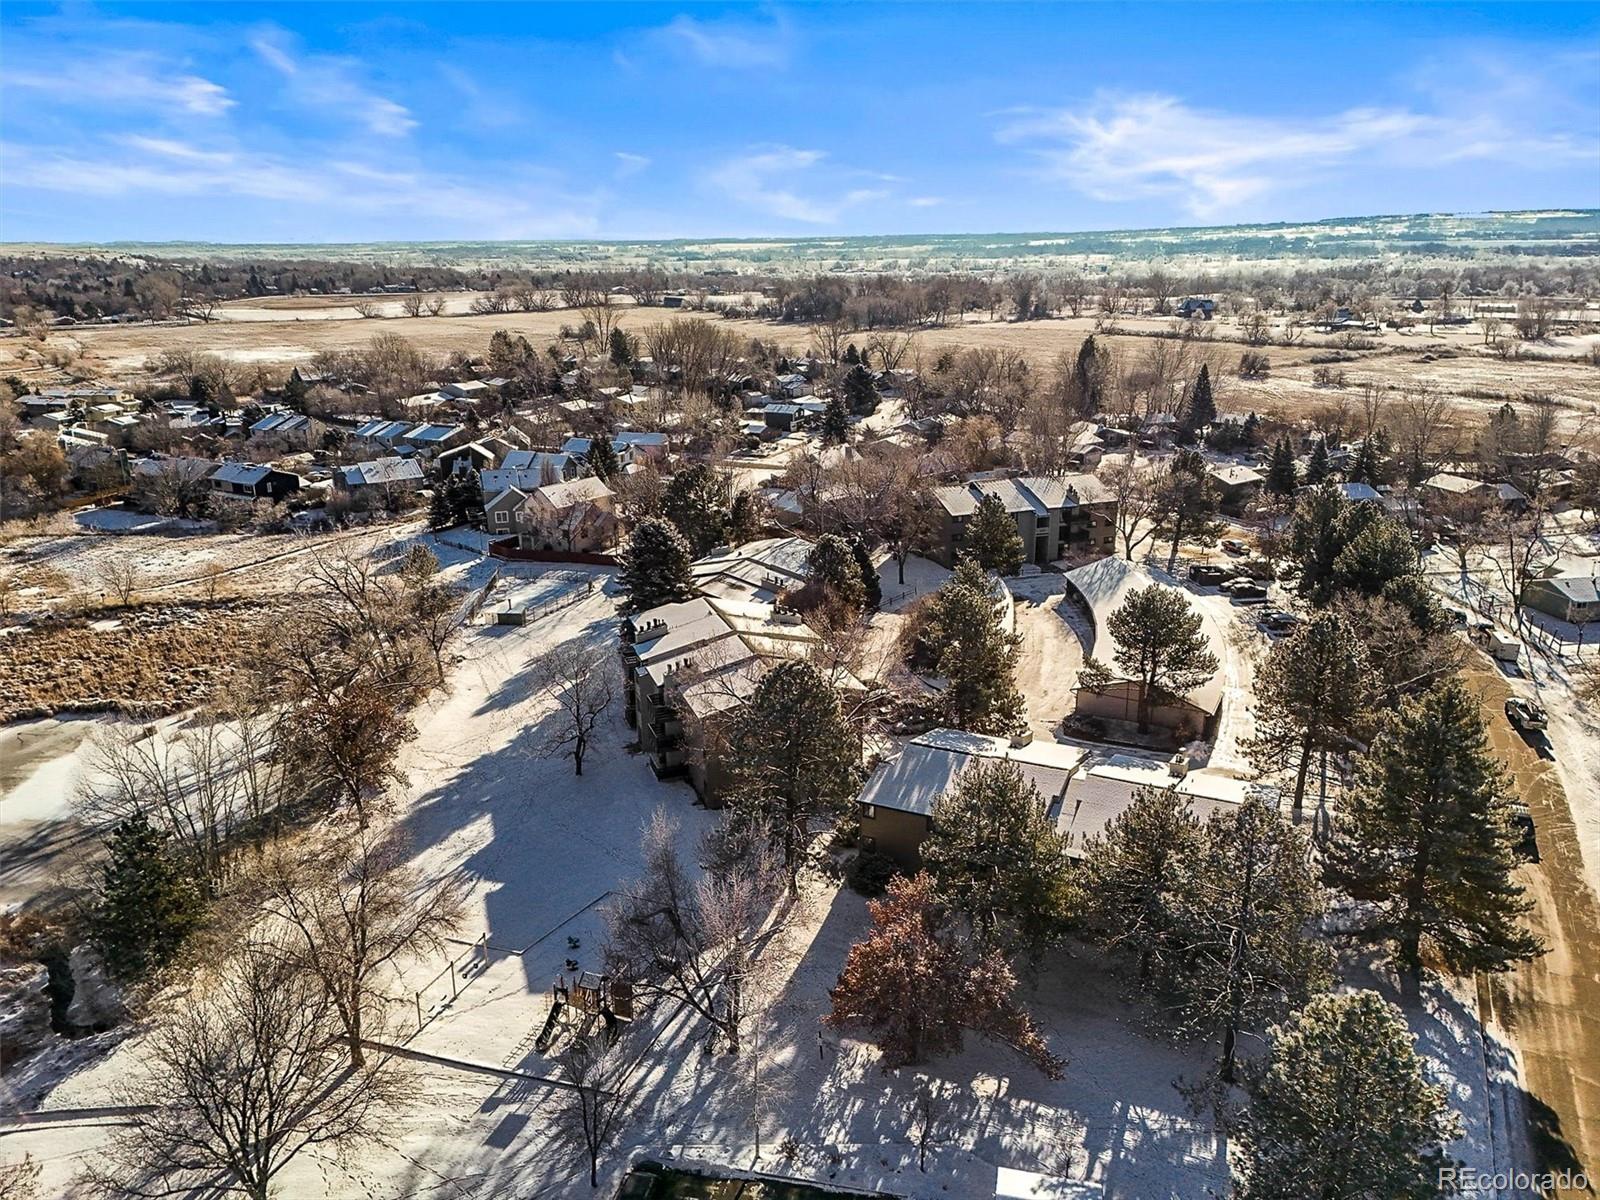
1551, 1006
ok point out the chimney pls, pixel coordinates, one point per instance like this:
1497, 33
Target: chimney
1178, 765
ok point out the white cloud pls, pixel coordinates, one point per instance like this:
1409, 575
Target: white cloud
329, 85
629, 164
925, 201
1123, 147
321, 190
765, 180
731, 43
135, 80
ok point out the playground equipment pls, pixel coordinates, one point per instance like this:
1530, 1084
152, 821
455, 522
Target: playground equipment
576, 1010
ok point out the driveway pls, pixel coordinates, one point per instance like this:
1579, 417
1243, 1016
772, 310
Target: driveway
1054, 634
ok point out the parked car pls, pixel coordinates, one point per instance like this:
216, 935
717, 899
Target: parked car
1526, 715
1456, 615
1233, 546
1210, 573
1499, 645
1245, 591
1279, 619
1522, 822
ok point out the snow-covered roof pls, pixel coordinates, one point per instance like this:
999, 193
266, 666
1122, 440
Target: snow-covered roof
574, 491
1234, 475
381, 470
1106, 583
757, 570
380, 430
432, 433
927, 768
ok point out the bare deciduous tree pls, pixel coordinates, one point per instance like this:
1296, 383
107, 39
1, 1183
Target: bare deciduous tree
580, 679
351, 911
120, 577
236, 1083
693, 941
594, 1103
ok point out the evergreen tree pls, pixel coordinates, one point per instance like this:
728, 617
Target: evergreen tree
831, 567
1200, 411
992, 538
147, 903
744, 518
1088, 377
852, 356
871, 585
1187, 503
1366, 466
914, 984
601, 460
1427, 837
1312, 696
1317, 467
1160, 646
294, 392
1282, 476
1131, 874
621, 347
465, 491
1380, 552
698, 501
441, 513
835, 421
795, 759
1316, 538
975, 655
1248, 901
656, 566
1344, 1110
860, 394
995, 857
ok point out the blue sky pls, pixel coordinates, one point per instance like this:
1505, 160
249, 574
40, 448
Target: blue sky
306, 122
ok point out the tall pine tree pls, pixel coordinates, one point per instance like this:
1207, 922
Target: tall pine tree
976, 656
1426, 837
602, 461
1313, 694
1160, 645
656, 567
993, 538
794, 759
835, 421
1343, 1110
1282, 476
1201, 408
995, 857
699, 501
147, 903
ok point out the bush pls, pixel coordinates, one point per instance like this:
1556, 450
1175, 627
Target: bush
869, 873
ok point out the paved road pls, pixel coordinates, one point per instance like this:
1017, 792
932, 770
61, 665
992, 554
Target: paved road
1551, 1006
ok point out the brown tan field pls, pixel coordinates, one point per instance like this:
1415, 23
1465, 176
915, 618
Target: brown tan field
279, 332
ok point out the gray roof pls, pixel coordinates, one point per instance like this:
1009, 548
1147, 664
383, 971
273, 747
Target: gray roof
1577, 589
915, 779
1038, 494
382, 470
247, 474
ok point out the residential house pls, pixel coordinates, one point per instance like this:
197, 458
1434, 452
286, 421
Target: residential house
385, 432
430, 439
292, 427
1237, 485
504, 513
689, 668
898, 805
1102, 587
534, 470
380, 474
1447, 487
1080, 794
578, 515
1056, 516
1572, 598
253, 481
469, 456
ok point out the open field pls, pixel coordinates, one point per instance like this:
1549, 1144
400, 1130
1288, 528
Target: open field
281, 332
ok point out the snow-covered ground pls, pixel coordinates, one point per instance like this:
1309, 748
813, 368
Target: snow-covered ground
542, 849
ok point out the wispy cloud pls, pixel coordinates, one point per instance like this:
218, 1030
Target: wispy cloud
925, 201
331, 85
732, 43
321, 189
766, 180
138, 80
629, 163
1123, 147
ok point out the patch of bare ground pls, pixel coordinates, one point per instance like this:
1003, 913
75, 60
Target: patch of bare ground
142, 660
